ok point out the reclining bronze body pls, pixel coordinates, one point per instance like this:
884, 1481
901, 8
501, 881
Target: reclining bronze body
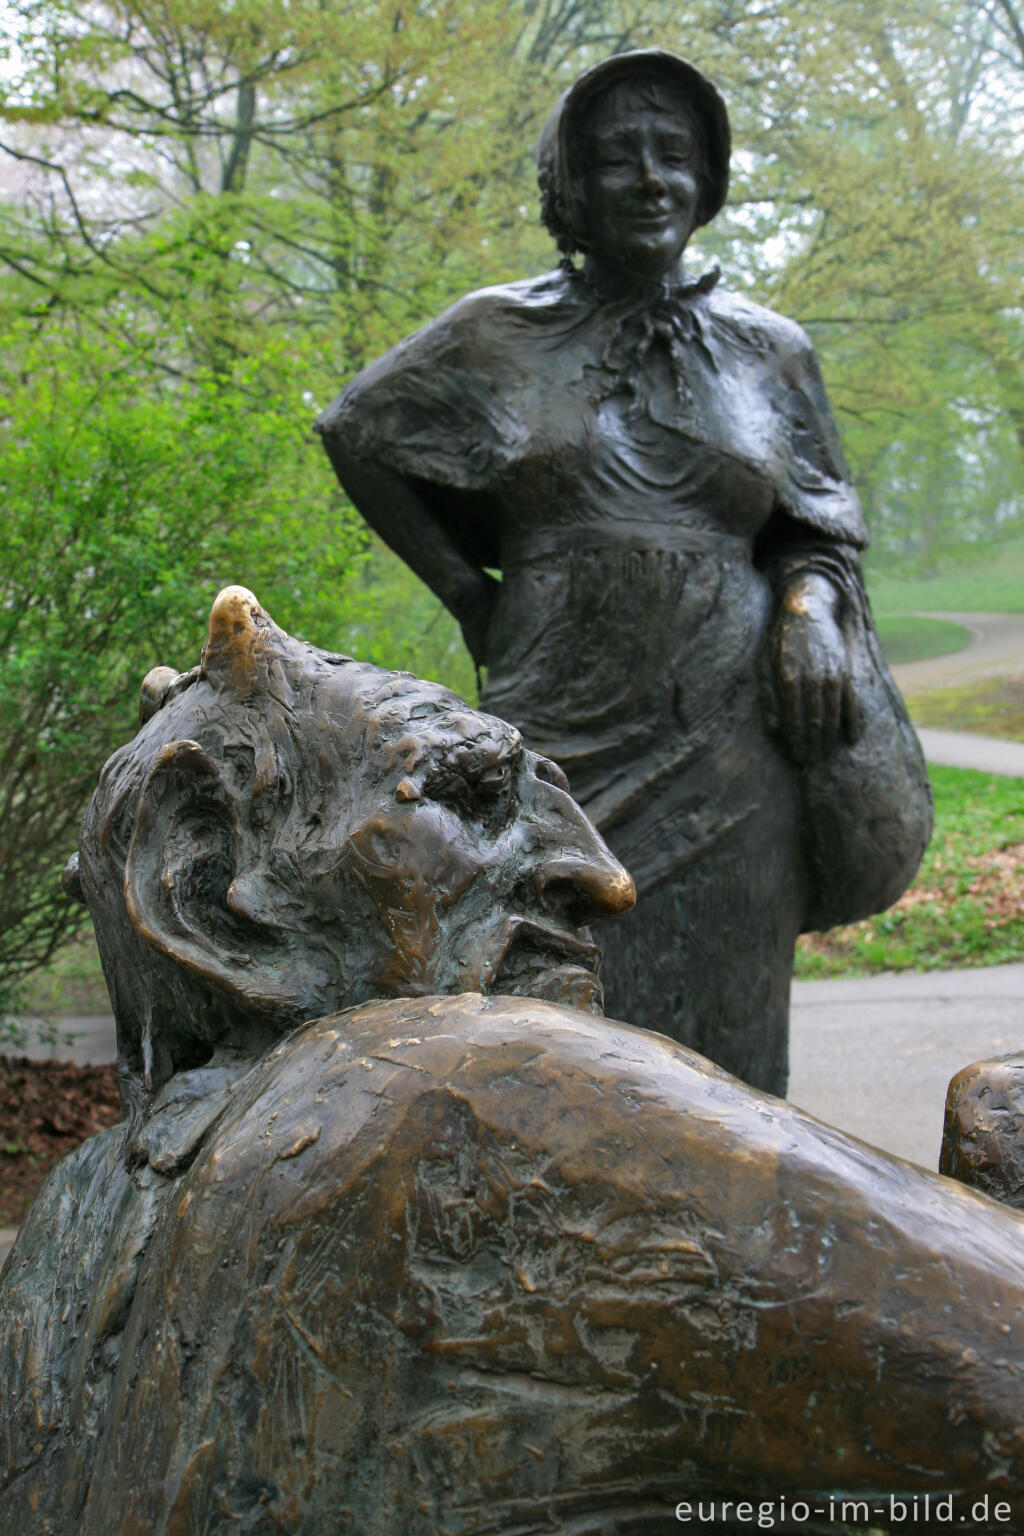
464, 1257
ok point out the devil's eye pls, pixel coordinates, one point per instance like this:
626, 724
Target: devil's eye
479, 786
493, 778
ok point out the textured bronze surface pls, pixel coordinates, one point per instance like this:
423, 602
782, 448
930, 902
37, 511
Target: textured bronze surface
681, 624
983, 1133
291, 832
476, 1265
448, 1265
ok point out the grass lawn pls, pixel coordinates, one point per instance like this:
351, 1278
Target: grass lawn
991, 581
966, 906
906, 637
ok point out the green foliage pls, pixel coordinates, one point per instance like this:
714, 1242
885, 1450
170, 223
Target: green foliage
14, 1034
393, 620
989, 579
965, 908
22, 1025
126, 507
70, 983
214, 213
353, 168
877, 198
218, 213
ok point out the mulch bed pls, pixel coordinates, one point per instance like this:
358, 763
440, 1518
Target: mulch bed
46, 1109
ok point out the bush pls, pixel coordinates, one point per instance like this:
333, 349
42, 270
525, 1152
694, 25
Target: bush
127, 502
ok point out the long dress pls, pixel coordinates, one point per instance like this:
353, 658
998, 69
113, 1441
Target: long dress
648, 477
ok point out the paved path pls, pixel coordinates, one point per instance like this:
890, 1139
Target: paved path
961, 749
874, 1056
86, 1040
995, 649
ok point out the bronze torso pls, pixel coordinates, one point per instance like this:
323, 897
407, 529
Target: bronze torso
621, 462
643, 472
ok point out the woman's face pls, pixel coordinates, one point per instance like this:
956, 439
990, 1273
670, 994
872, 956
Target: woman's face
642, 156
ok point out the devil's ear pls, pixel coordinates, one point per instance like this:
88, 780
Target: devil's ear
188, 851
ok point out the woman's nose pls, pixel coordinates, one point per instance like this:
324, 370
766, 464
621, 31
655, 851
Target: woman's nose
651, 175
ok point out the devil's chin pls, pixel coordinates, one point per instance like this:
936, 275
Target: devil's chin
575, 987
559, 967
571, 985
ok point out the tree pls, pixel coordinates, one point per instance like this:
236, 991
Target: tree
877, 198
173, 269
216, 213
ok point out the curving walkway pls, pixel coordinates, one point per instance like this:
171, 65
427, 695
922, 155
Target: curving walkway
962, 749
995, 649
871, 1055
874, 1055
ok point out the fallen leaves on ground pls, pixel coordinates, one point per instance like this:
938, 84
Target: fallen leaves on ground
46, 1109
999, 884
935, 916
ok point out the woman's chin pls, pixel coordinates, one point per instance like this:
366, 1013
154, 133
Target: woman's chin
637, 266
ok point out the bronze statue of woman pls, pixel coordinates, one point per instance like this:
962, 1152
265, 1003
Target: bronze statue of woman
681, 623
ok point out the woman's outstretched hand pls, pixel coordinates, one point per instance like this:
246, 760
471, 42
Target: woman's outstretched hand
812, 670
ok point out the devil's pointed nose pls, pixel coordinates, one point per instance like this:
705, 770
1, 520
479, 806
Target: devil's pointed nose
583, 863
591, 872
608, 884
611, 889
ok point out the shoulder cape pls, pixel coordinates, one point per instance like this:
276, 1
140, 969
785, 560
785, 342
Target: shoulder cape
445, 407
